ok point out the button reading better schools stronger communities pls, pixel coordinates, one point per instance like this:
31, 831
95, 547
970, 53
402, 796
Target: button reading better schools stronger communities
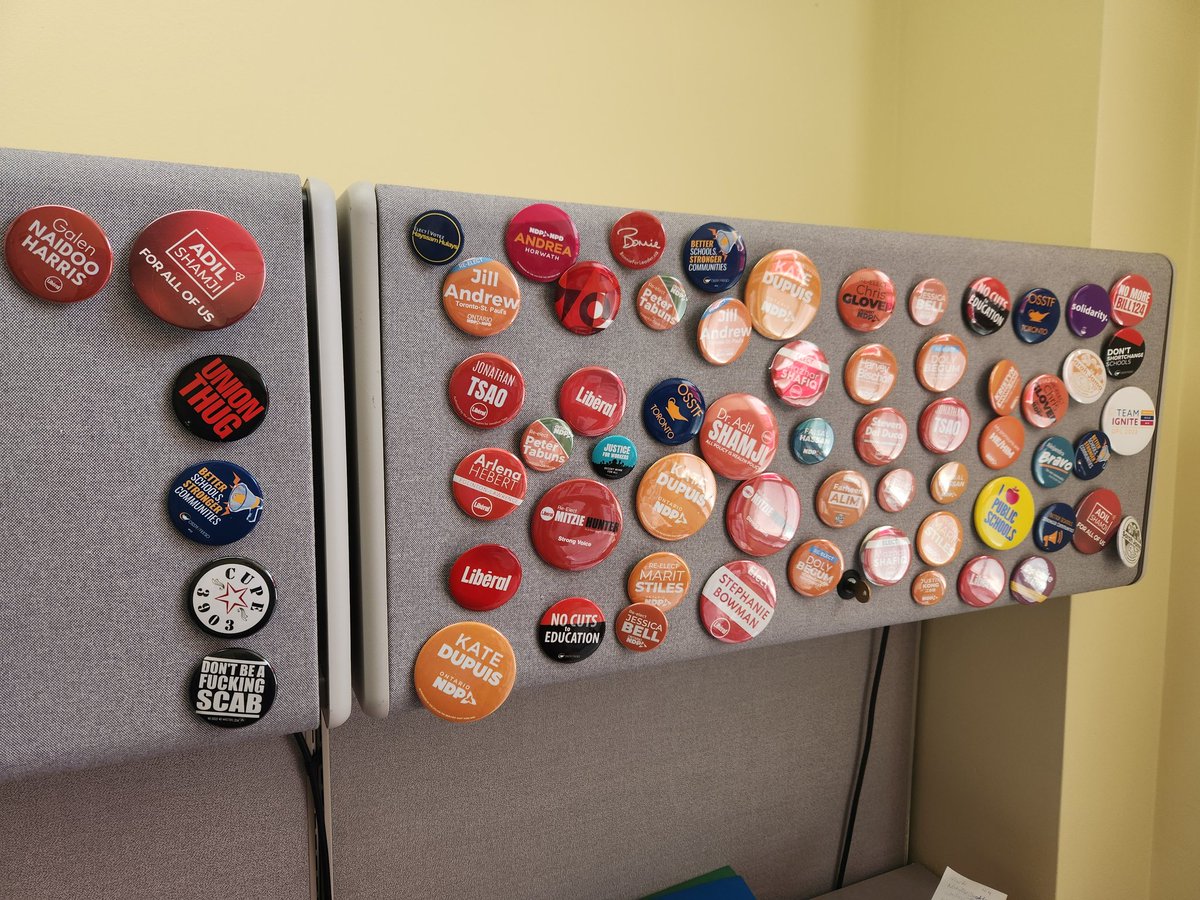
714, 257
231, 597
220, 398
232, 688
215, 502
58, 253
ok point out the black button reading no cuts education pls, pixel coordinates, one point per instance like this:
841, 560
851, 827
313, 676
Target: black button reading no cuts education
571, 630
436, 237
232, 688
220, 398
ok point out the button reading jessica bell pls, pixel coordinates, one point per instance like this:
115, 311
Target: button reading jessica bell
464, 672
220, 398
215, 502
231, 597
58, 253
641, 627
232, 688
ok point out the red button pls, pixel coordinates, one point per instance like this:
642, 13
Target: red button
738, 601
1096, 519
588, 298
489, 483
592, 401
486, 390
867, 299
542, 242
739, 436
944, 425
576, 524
1131, 297
799, 373
485, 577
58, 253
197, 269
637, 240
1044, 401
640, 627
981, 581
886, 554
896, 490
928, 301
880, 436
763, 514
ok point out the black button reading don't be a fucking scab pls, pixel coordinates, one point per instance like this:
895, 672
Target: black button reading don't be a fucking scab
220, 398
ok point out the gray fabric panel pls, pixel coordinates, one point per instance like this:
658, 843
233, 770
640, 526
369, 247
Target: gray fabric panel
424, 440
620, 786
97, 643
910, 883
208, 823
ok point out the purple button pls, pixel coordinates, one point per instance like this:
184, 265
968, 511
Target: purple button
1088, 310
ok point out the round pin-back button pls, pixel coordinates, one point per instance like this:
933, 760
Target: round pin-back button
541, 242
486, 390
464, 672
436, 237
1128, 420
1083, 373
231, 597
799, 373
986, 305
896, 490
812, 441
763, 514
1001, 442
546, 444
929, 587
1097, 518
1130, 298
1124, 352
870, 373
576, 524
739, 436
724, 331
232, 688
737, 601
571, 630
660, 579
489, 484
815, 568
197, 269
1037, 315
1033, 580
1044, 401
673, 411
220, 398
661, 302
981, 581
1129, 541
1004, 512
1054, 527
949, 483
944, 425
1088, 310
885, 555
58, 253
614, 457
1004, 387
215, 502
714, 257
1093, 451
928, 301
939, 538
880, 436
592, 400
481, 296
843, 498
783, 294
853, 586
941, 363
676, 496
867, 299
485, 577
637, 239
588, 298
1053, 461
641, 627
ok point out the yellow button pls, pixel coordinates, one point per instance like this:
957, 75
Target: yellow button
1004, 513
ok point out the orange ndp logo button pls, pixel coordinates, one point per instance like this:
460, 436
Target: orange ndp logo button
783, 294
465, 672
815, 568
481, 296
676, 496
1001, 442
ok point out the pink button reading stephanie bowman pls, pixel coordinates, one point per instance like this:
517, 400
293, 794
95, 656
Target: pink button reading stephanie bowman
58, 253
763, 514
197, 269
489, 483
944, 425
592, 401
738, 601
542, 242
880, 436
981, 581
576, 524
799, 373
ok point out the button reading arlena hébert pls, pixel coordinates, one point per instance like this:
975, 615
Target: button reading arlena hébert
215, 502
489, 483
465, 672
220, 398
231, 597
232, 688
58, 253
571, 630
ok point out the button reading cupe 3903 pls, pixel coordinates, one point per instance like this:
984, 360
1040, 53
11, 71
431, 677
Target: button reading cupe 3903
58, 253
231, 597
215, 502
220, 398
232, 688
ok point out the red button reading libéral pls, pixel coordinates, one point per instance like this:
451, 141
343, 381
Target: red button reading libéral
486, 390
576, 524
981, 581
739, 436
58, 253
592, 401
485, 577
489, 483
763, 514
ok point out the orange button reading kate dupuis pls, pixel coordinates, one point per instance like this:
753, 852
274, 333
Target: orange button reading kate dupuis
465, 672
739, 436
870, 373
481, 296
676, 496
660, 579
783, 294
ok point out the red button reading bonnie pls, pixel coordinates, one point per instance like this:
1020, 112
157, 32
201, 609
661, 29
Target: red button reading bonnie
592, 401
944, 425
763, 514
485, 577
576, 524
880, 436
739, 436
489, 483
541, 242
58, 253
197, 269
637, 240
738, 601
588, 298
486, 390
981, 581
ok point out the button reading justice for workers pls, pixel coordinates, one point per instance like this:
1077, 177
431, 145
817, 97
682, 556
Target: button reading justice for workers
714, 257
941, 363
486, 390
1084, 375
1044, 401
1054, 527
489, 484
661, 302
880, 436
986, 305
763, 514
949, 483
637, 240
867, 299
485, 577
58, 253
1097, 518
542, 242
232, 688
799, 373
1037, 315
220, 398
939, 538
660, 579
215, 502
1004, 387
1129, 541
812, 441
1032, 580
571, 630
1004, 513
676, 496
739, 436
640, 627
481, 296
197, 269
592, 400
1124, 352
1130, 298
724, 331
1053, 461
1092, 454
896, 490
1088, 310
546, 444
843, 498
886, 554
853, 586
928, 301
231, 597
815, 568
673, 411
576, 524
436, 237
1001, 442
981, 581
614, 457
464, 672
870, 373
783, 294
738, 601
588, 298
944, 425
1129, 420
929, 588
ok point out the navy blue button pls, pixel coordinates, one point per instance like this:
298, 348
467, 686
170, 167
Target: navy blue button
812, 441
1038, 313
1092, 453
436, 237
614, 457
714, 257
673, 411
1053, 461
215, 502
1054, 527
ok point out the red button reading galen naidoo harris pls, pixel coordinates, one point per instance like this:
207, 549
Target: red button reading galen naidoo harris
197, 269
485, 577
880, 436
58, 253
763, 514
592, 401
542, 242
637, 240
738, 601
739, 436
576, 524
486, 390
489, 483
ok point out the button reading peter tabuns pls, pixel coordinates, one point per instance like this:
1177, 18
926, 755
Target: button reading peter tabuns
232, 688
220, 398
231, 597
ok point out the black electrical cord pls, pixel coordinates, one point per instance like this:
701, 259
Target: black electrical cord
312, 768
862, 762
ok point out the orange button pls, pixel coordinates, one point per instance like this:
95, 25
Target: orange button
465, 672
870, 373
1004, 387
1044, 401
660, 579
939, 538
1001, 442
783, 294
724, 331
928, 301
739, 436
867, 299
843, 499
941, 363
676, 496
949, 483
815, 568
481, 296
929, 588
640, 627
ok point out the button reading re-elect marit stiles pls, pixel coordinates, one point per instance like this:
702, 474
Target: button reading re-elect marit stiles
215, 502
232, 688
714, 257
489, 484
486, 390
661, 579
592, 400
939, 538
485, 577
542, 242
763, 514
576, 524
783, 294
220, 398
737, 601
986, 305
58, 253
588, 298
481, 296
637, 239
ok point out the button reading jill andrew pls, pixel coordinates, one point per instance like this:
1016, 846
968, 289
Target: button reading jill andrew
640, 627
661, 302
486, 390
724, 331
485, 577
815, 568
1037, 315
929, 588
1124, 352
1128, 420
783, 294
941, 363
660, 579
928, 301
1054, 527
1088, 310
197, 269
812, 441
592, 400
981, 581
542, 242
896, 490
614, 457
637, 240
986, 305
799, 373
714, 257
944, 425
1004, 387
489, 484
232, 688
576, 524
220, 398
1004, 513
231, 597
1129, 541
673, 411
215, 502
481, 296
1084, 375
546, 444
886, 554
436, 237
1097, 518
867, 299
949, 483
1130, 298
1001, 442
676, 496
739, 436
571, 630
763, 514
870, 373
588, 298
1053, 461
843, 498
939, 538
1093, 451
464, 672
1044, 401
881, 436
58, 253
1032, 580
738, 601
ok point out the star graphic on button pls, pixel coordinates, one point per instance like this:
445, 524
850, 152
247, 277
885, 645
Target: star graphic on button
233, 597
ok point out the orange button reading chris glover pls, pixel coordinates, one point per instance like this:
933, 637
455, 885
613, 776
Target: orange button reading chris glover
465, 672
